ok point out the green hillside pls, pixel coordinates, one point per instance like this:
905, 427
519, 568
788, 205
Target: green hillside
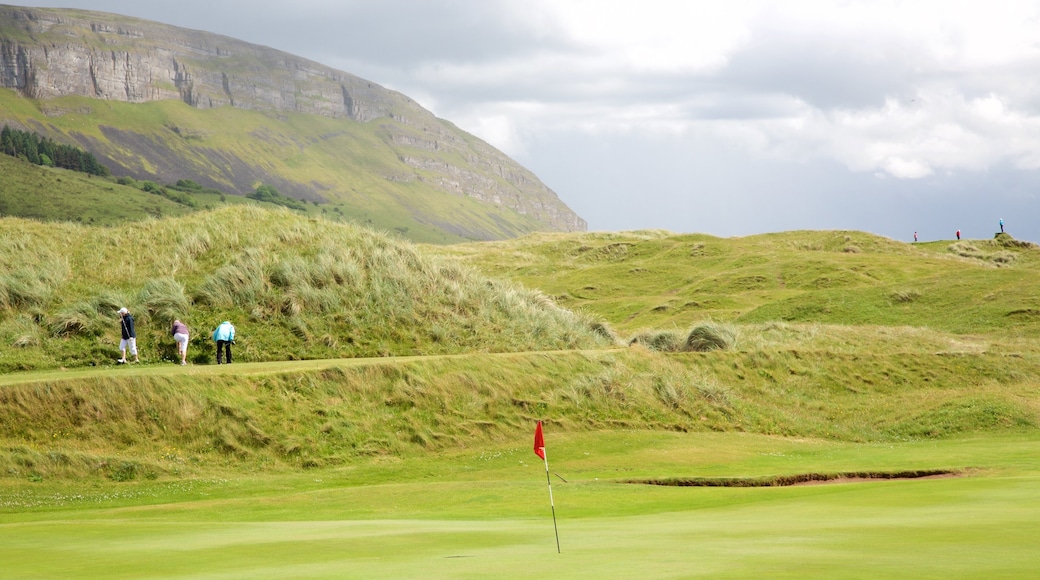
40, 193
835, 335
296, 288
659, 280
344, 164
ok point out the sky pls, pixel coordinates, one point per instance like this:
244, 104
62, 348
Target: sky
727, 118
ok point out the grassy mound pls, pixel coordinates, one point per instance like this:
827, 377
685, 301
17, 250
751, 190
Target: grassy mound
656, 280
296, 288
703, 337
149, 422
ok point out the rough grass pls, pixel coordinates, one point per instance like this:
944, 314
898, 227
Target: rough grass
655, 280
799, 383
309, 289
295, 288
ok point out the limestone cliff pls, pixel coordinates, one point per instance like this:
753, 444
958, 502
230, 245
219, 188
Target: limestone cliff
47, 54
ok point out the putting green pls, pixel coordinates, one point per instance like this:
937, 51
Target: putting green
486, 514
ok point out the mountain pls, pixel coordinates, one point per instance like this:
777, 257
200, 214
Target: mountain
161, 103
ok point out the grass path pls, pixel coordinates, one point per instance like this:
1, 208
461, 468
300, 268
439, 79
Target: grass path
251, 369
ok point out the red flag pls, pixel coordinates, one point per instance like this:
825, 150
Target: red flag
539, 441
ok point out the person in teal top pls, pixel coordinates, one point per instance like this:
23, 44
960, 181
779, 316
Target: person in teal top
224, 335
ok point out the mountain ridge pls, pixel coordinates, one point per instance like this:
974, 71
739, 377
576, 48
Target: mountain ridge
50, 55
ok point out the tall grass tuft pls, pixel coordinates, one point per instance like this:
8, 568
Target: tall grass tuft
602, 329
21, 291
164, 300
659, 340
711, 336
240, 282
79, 319
670, 392
22, 332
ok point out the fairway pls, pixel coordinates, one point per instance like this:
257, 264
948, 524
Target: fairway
486, 514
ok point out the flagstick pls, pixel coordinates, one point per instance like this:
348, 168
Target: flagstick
551, 504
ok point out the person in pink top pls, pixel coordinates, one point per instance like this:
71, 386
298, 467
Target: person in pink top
180, 336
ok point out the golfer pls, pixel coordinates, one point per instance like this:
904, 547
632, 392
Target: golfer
180, 336
224, 335
129, 335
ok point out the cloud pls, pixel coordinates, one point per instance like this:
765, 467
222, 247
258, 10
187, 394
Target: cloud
821, 95
880, 87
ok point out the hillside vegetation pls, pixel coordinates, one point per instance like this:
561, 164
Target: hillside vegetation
41, 193
840, 336
295, 287
124, 424
657, 280
351, 172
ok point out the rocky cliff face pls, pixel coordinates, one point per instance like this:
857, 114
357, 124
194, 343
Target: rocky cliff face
45, 54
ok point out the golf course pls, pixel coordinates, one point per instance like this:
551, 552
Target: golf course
797, 405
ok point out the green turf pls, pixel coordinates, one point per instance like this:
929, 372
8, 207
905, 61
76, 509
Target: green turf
486, 514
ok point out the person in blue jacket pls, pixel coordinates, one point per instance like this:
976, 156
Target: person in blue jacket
224, 335
1001, 225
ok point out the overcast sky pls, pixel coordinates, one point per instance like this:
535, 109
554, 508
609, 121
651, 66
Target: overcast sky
728, 118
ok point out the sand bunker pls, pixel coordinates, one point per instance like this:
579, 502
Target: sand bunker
798, 479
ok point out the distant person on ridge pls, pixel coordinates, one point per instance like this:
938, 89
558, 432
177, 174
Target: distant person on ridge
128, 336
958, 234
180, 336
1001, 225
224, 335
915, 236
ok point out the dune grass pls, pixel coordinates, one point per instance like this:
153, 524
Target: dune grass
295, 287
279, 416
657, 281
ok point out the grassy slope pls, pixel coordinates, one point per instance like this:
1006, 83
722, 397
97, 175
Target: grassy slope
301, 288
276, 416
35, 192
347, 163
658, 280
295, 287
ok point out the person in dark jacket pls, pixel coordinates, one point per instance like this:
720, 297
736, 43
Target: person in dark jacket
128, 334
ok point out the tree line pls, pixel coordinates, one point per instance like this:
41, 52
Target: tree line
42, 151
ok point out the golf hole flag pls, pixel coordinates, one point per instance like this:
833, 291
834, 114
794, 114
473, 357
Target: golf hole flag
539, 450
539, 441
